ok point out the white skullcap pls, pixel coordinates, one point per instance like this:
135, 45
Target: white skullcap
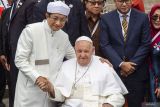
58, 7
85, 38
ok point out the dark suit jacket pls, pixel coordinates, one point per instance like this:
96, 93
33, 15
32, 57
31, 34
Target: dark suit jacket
10, 30
77, 22
21, 16
3, 30
136, 47
2, 71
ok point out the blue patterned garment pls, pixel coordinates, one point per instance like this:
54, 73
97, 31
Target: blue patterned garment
155, 71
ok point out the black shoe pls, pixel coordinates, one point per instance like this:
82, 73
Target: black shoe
2, 104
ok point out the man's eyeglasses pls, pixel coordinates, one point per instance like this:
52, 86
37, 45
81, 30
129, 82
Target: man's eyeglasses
96, 2
156, 17
61, 20
124, 1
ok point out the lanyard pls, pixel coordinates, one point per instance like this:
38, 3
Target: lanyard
76, 70
94, 29
10, 16
11, 11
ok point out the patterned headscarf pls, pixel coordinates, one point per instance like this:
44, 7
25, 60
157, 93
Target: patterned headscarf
153, 29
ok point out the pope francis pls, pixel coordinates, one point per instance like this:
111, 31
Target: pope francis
86, 82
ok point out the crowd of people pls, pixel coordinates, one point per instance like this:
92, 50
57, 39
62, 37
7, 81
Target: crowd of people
69, 54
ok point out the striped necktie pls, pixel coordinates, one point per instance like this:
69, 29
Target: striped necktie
125, 26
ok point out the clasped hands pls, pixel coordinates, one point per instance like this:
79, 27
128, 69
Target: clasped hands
127, 68
45, 85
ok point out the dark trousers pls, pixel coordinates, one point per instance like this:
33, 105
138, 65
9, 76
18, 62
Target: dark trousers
136, 95
2, 82
12, 79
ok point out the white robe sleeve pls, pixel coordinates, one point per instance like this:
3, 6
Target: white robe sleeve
116, 100
70, 52
23, 52
58, 96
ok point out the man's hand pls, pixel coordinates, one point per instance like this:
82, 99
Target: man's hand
157, 92
5, 64
106, 61
127, 68
42, 83
107, 105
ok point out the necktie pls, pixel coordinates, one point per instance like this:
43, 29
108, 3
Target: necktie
125, 26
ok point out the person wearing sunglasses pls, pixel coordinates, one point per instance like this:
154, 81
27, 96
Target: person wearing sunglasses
40, 52
93, 10
155, 53
76, 24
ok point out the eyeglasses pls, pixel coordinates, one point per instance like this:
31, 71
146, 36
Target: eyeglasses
124, 1
56, 19
156, 17
96, 2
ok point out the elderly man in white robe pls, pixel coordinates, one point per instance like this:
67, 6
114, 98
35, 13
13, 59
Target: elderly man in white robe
40, 53
86, 82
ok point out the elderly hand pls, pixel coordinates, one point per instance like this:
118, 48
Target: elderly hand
107, 105
51, 90
106, 61
3, 61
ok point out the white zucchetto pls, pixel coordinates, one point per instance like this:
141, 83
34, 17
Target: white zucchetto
84, 38
58, 7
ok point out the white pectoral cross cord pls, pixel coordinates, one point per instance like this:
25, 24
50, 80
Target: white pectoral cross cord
76, 80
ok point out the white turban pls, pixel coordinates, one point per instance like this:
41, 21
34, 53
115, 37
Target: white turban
58, 7
84, 38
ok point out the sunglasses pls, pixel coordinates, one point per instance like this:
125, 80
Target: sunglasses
96, 2
155, 17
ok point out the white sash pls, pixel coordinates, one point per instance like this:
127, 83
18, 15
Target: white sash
155, 36
95, 28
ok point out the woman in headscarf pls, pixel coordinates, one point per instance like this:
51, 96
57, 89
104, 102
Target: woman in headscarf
155, 53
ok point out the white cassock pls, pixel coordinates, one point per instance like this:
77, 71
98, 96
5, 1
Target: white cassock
89, 86
40, 52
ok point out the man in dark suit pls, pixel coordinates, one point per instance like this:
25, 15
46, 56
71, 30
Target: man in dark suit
77, 22
2, 73
2, 79
12, 24
125, 41
3, 56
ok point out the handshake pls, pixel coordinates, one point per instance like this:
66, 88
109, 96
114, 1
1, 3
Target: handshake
45, 85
